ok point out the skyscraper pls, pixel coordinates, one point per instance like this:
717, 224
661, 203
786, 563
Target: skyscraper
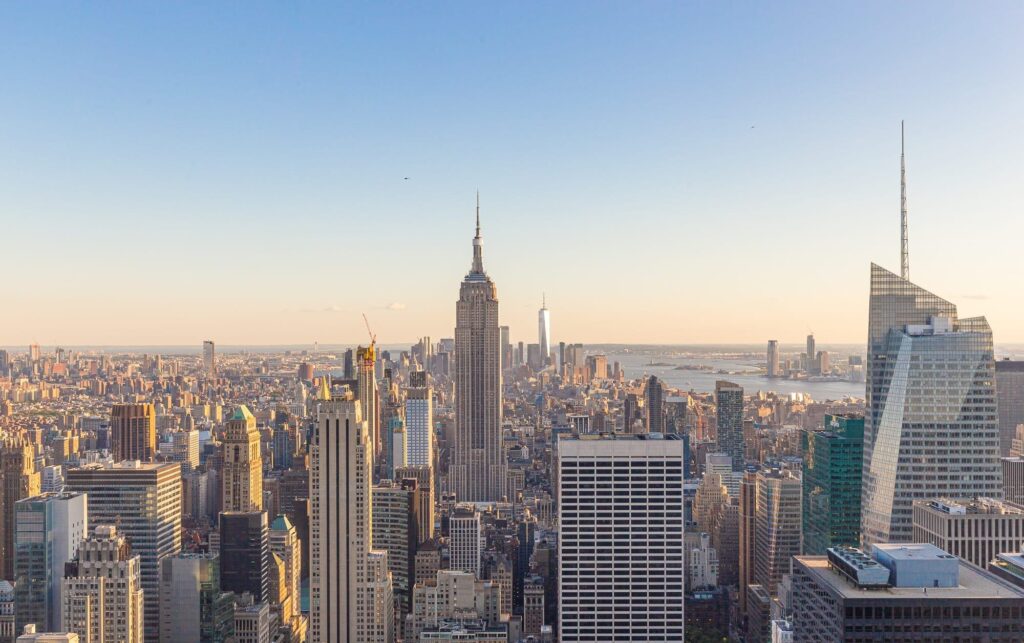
102, 590
20, 480
419, 420
192, 605
133, 432
544, 331
729, 401
832, 464
243, 463
931, 427
812, 362
344, 585
478, 467
48, 529
773, 358
209, 360
466, 545
368, 395
654, 400
620, 551
245, 553
776, 526
1010, 391
424, 477
144, 501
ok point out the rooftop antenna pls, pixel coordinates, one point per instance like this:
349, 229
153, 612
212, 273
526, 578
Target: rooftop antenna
904, 246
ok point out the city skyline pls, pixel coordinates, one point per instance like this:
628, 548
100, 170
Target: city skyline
280, 129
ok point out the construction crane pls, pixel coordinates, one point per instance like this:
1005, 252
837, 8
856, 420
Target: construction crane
370, 355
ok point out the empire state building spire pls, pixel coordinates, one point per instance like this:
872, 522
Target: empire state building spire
478, 243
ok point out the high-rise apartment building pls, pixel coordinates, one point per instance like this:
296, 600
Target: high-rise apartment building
654, 401
209, 360
620, 551
748, 524
344, 585
478, 467
777, 526
544, 331
419, 420
102, 590
48, 530
977, 530
243, 463
832, 464
465, 543
133, 432
773, 358
245, 553
729, 402
1010, 394
931, 427
20, 479
144, 501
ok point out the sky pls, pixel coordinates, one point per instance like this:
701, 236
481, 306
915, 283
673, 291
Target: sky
666, 172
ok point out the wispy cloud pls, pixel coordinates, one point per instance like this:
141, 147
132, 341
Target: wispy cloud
333, 308
395, 305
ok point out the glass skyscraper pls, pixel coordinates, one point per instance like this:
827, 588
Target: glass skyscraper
833, 461
931, 427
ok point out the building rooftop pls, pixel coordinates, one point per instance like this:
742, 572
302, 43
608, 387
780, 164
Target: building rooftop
976, 506
974, 583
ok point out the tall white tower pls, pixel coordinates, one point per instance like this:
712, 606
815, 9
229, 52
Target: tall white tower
344, 586
544, 330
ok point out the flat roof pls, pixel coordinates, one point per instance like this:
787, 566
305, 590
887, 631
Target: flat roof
974, 583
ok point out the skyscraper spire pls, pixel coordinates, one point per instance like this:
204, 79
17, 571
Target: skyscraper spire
478, 243
904, 246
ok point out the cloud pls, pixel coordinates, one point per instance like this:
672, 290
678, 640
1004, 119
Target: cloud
333, 308
978, 297
395, 305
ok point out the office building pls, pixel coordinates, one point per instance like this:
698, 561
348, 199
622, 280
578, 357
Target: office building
185, 449
773, 358
832, 463
748, 522
777, 526
975, 530
252, 623
209, 360
31, 635
931, 427
242, 464
478, 466
906, 592
286, 546
620, 551
192, 605
368, 394
245, 553
395, 505
48, 530
6, 612
20, 479
544, 331
631, 413
419, 420
1010, 395
424, 477
144, 501
344, 585
812, 365
133, 432
452, 595
654, 401
102, 590
729, 403
1013, 479
465, 543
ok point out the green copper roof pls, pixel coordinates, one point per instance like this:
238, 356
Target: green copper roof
281, 523
242, 413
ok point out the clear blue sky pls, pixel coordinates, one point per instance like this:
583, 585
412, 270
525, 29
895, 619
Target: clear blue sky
665, 171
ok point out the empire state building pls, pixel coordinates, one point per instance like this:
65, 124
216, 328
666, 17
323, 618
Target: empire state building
478, 465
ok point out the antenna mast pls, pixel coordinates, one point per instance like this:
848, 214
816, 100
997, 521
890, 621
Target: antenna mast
904, 246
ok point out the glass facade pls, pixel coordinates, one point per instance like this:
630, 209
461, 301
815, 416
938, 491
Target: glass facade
931, 427
833, 461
